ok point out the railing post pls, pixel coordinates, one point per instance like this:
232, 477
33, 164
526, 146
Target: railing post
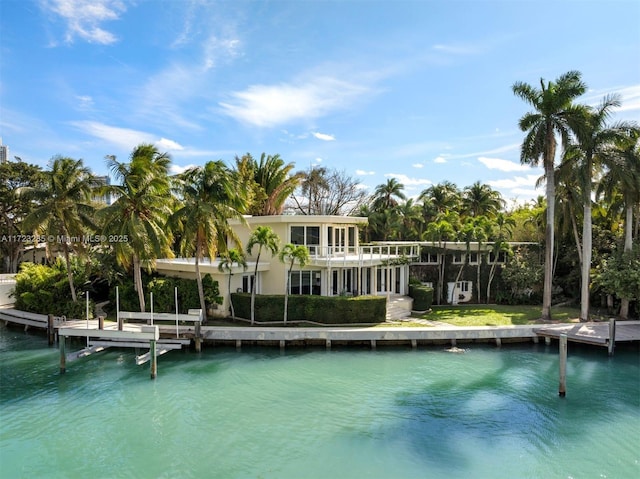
562, 391
612, 336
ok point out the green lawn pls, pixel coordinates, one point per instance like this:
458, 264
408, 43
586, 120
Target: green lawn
496, 315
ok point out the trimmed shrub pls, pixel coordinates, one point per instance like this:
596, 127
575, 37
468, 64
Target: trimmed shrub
319, 309
422, 297
163, 289
44, 289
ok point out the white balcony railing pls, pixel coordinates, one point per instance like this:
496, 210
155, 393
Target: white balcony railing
361, 255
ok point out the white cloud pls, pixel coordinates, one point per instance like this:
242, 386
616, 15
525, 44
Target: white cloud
165, 144
124, 138
85, 102
272, 105
515, 182
406, 181
83, 18
177, 169
323, 136
440, 159
364, 173
418, 165
215, 48
502, 165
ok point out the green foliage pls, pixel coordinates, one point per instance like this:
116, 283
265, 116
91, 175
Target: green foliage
319, 309
44, 289
521, 278
163, 289
422, 297
619, 275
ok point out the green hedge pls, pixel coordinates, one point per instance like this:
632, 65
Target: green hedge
422, 297
44, 289
319, 309
163, 289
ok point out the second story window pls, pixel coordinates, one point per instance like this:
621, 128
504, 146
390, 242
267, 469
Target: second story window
308, 236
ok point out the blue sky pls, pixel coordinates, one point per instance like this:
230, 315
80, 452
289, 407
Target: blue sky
416, 90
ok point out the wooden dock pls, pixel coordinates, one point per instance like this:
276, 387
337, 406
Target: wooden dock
593, 333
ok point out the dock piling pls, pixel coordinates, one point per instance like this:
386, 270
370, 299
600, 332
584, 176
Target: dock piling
51, 332
611, 346
153, 359
562, 391
63, 355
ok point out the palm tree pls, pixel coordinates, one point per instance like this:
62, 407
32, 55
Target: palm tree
140, 210
210, 198
314, 182
264, 237
443, 197
65, 208
291, 254
505, 225
482, 200
554, 114
229, 258
442, 230
387, 194
623, 176
594, 139
268, 184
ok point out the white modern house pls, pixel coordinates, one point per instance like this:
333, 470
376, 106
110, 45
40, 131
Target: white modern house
338, 265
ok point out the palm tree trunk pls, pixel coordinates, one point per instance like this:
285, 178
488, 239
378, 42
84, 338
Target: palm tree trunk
628, 245
253, 287
67, 258
586, 248
549, 239
286, 293
137, 281
478, 273
233, 313
203, 306
492, 272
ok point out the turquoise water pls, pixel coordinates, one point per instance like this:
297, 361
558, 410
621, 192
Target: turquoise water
311, 413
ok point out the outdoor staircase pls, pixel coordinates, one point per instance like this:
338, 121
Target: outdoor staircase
399, 307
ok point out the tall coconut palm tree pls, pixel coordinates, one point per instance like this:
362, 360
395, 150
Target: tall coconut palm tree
482, 200
291, 254
229, 258
265, 238
210, 198
443, 197
623, 176
504, 226
65, 208
313, 183
138, 214
387, 194
594, 139
554, 114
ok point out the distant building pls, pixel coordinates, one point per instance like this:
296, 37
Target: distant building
102, 181
4, 152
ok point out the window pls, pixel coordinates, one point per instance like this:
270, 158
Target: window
429, 258
247, 281
502, 257
306, 235
458, 258
473, 258
305, 282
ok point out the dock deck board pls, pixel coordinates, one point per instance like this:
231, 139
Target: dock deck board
593, 333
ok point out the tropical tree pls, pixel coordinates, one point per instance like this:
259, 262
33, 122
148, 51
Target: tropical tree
270, 182
263, 237
443, 197
139, 212
65, 209
481, 200
229, 258
622, 177
554, 114
210, 197
14, 177
386, 195
504, 225
442, 230
593, 140
290, 254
